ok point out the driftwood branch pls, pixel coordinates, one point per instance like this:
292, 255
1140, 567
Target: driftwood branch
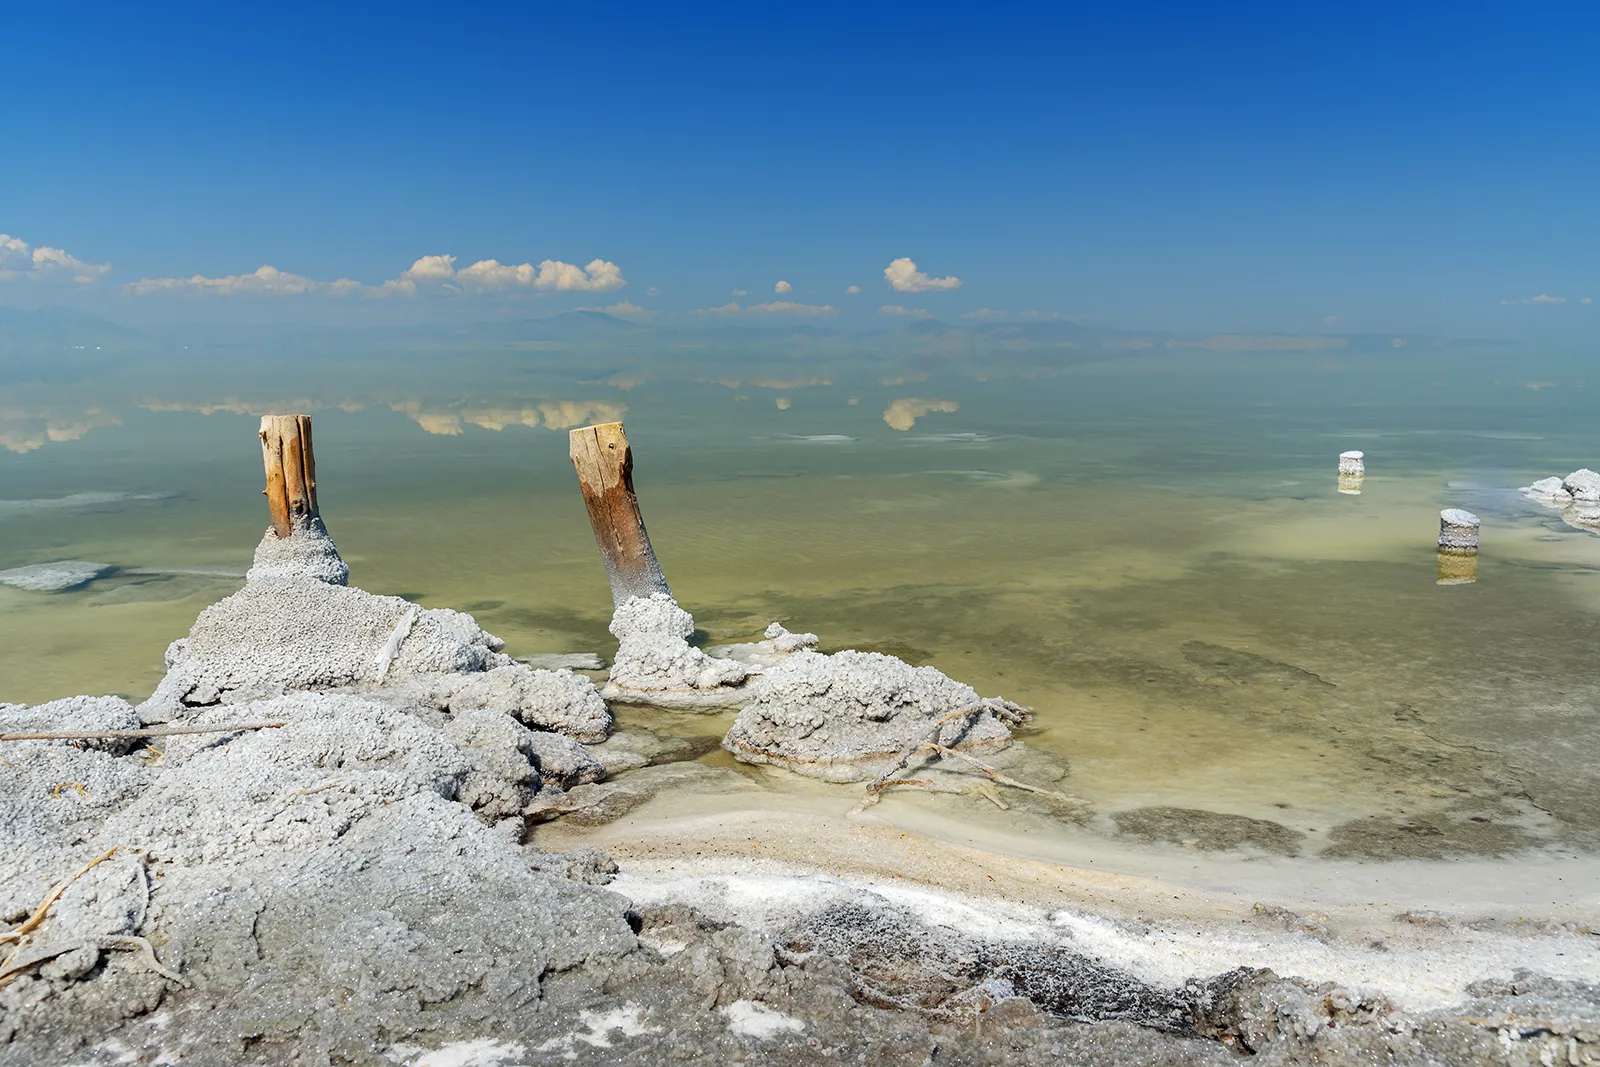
927, 743
154, 731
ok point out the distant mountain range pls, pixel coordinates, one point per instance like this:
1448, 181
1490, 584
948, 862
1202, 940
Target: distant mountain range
59, 343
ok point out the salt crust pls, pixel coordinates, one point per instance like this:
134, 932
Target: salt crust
296, 627
654, 654
748, 1018
308, 552
298, 868
844, 717
1431, 973
1577, 496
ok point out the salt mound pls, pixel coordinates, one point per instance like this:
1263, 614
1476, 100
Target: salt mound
778, 645
308, 552
296, 627
325, 883
1577, 496
1551, 492
1583, 484
655, 664
845, 717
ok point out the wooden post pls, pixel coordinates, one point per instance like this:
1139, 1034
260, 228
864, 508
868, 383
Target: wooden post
291, 470
605, 475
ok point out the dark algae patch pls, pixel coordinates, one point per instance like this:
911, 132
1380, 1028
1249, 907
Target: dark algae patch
1432, 836
1239, 666
1210, 831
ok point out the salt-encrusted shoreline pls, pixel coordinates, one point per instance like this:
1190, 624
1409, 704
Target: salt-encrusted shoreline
1414, 942
396, 863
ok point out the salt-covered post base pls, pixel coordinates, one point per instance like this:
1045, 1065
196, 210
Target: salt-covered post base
291, 471
1350, 484
656, 665
1458, 531
1457, 567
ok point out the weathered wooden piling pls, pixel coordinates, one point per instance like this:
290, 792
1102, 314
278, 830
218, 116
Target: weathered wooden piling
604, 463
291, 470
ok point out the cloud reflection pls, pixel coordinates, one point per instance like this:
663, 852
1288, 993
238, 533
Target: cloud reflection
903, 413
451, 419
22, 431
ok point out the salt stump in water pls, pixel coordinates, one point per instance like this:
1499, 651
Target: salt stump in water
291, 471
1458, 531
1352, 470
604, 463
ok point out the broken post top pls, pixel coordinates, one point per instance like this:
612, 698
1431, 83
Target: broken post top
604, 463
291, 471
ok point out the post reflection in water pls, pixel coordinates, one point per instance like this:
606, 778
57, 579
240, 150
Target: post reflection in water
1457, 567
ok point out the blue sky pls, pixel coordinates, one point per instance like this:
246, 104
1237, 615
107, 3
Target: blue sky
1360, 166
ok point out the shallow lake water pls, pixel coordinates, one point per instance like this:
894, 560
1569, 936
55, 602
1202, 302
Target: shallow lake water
1228, 653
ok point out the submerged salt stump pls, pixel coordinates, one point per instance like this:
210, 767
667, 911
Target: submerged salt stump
845, 717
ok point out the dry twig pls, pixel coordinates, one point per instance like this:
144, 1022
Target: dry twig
146, 951
50, 898
928, 743
154, 731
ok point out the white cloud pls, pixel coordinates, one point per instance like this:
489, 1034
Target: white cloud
19, 260
266, 279
14, 251
430, 269
730, 308
599, 276
490, 274
984, 313
741, 292
905, 312
852, 289
789, 307
904, 277
1588, 300
486, 275
1542, 298
783, 287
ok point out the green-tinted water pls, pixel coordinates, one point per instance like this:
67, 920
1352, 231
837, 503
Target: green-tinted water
1150, 553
